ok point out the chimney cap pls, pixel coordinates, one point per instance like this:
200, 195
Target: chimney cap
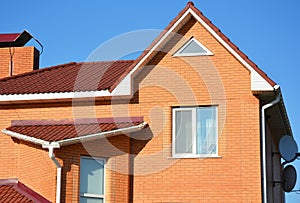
15, 39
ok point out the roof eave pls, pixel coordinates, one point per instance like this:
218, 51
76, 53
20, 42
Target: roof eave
107, 134
75, 140
277, 90
61, 96
24, 137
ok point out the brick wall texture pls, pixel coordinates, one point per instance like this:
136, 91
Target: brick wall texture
24, 59
142, 170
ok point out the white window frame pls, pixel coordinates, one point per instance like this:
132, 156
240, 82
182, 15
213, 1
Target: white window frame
208, 52
96, 196
194, 133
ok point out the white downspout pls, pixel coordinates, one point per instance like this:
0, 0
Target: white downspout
58, 175
263, 129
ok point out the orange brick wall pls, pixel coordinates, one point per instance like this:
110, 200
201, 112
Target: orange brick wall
235, 176
24, 59
169, 81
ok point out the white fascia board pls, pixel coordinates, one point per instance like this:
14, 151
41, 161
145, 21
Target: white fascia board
51, 96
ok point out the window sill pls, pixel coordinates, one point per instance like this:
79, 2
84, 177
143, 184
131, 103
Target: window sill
209, 156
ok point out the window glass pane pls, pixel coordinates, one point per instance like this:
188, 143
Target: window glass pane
183, 131
91, 176
90, 200
206, 130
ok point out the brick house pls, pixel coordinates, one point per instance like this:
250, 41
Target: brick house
184, 122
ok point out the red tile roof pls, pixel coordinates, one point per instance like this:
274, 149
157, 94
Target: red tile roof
13, 191
190, 5
66, 78
58, 130
14, 39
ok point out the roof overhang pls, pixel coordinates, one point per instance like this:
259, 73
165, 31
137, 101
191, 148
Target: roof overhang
79, 139
65, 96
277, 115
52, 97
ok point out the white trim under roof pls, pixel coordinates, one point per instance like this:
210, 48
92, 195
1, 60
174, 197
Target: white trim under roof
123, 90
75, 140
62, 95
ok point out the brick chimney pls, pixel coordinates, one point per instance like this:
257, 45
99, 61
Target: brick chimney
14, 57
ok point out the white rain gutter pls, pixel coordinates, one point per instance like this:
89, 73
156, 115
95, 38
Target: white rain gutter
263, 129
58, 170
24, 137
101, 135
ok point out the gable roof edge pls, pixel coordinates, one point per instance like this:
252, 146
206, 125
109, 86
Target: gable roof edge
257, 75
259, 79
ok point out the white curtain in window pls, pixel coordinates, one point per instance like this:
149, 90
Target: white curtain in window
184, 139
206, 130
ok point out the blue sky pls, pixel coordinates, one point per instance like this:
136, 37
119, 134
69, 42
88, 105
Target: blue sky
267, 31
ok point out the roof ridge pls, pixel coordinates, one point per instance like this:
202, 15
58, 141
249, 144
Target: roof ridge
190, 3
38, 71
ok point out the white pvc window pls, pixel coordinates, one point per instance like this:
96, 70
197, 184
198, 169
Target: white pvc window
193, 48
92, 180
195, 132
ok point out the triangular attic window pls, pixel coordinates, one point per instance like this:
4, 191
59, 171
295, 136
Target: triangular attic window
193, 48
